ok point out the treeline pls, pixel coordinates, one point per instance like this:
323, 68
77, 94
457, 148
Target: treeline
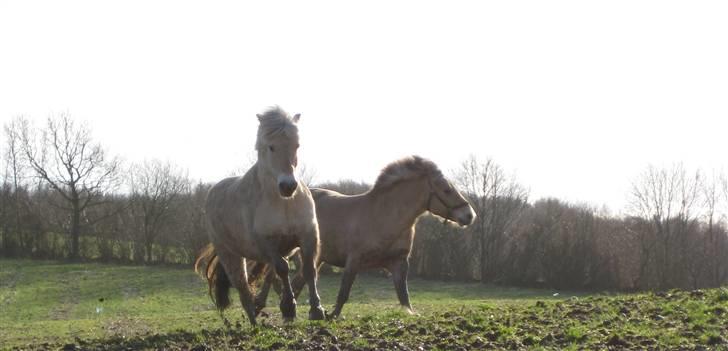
675, 235
63, 196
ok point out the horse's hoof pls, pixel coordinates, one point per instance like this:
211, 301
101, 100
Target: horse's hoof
259, 309
288, 309
317, 314
261, 314
289, 316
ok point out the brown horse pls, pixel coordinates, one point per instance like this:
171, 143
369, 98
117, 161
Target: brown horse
262, 216
376, 229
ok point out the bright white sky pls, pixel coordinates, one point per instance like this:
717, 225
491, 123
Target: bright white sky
575, 97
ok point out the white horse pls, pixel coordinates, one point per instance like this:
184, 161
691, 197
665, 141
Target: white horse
263, 216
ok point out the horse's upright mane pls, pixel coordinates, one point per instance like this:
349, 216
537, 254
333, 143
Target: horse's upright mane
405, 169
274, 121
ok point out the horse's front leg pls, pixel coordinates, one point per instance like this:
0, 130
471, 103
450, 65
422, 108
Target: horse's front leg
309, 256
399, 270
288, 302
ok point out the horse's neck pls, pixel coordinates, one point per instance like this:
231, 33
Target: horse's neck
403, 202
265, 181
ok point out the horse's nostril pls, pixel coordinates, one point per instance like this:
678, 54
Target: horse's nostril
287, 188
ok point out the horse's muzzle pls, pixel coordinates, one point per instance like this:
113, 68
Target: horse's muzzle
465, 220
287, 188
464, 216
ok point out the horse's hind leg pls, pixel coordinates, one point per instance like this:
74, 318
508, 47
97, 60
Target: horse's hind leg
235, 269
280, 265
309, 255
288, 303
262, 296
399, 270
299, 281
347, 280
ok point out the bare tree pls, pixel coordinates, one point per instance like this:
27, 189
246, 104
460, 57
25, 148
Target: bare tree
250, 159
712, 200
155, 187
306, 174
498, 201
724, 185
345, 186
64, 155
13, 187
667, 197
193, 236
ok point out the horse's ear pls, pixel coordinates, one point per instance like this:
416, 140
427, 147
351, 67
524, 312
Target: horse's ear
260, 117
296, 118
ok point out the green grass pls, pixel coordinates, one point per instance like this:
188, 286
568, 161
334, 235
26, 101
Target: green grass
49, 304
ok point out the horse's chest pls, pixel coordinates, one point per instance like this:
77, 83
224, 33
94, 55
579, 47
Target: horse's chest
286, 219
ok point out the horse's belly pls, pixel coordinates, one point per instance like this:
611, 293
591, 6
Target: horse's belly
331, 256
380, 259
377, 256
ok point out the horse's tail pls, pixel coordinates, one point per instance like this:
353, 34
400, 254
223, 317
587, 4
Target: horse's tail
217, 280
257, 269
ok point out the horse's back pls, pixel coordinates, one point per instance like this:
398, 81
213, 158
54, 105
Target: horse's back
332, 205
321, 194
318, 193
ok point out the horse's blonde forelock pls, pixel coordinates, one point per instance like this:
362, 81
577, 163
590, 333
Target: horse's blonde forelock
275, 121
405, 169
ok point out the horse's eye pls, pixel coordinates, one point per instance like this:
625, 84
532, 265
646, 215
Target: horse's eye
448, 191
271, 148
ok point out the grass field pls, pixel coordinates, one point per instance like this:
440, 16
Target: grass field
49, 305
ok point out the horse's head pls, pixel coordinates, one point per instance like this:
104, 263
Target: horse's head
447, 202
277, 147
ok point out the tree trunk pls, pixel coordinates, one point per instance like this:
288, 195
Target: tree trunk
483, 243
75, 229
149, 251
